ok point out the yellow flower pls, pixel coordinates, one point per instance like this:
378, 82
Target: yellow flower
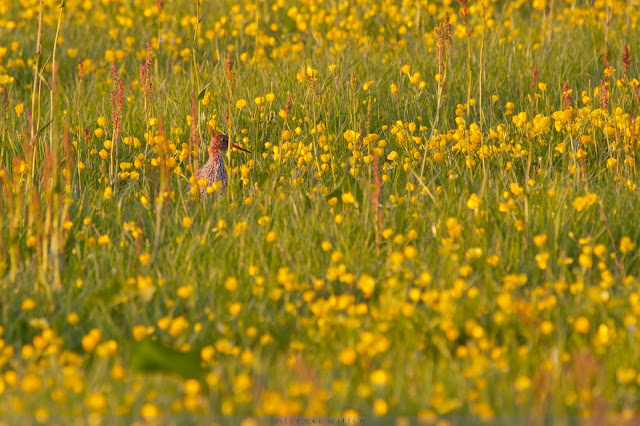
271, 236
139, 332
118, 372
184, 291
231, 284
540, 240
522, 383
625, 375
96, 402
18, 109
240, 228
493, 260
380, 407
511, 281
41, 415
347, 356
177, 325
542, 259
144, 282
247, 357
515, 189
581, 325
591, 198
367, 85
28, 304
270, 97
579, 203
608, 72
187, 221
366, 284
227, 407
207, 353
241, 104
242, 382
546, 327
73, 318
191, 387
308, 74
31, 383
585, 260
379, 378
453, 227
144, 258
149, 410
626, 245
410, 252
347, 198
103, 240
91, 339
474, 202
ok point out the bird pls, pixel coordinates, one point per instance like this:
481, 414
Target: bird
213, 170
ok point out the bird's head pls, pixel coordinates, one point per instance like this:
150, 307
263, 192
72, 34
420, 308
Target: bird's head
220, 143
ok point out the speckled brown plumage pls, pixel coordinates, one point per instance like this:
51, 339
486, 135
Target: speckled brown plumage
213, 170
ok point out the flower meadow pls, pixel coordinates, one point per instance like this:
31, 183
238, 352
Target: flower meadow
438, 216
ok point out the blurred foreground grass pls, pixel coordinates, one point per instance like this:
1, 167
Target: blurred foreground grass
439, 214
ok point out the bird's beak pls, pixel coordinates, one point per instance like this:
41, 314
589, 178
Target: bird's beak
241, 149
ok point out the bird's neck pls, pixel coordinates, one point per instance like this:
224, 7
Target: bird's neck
216, 157
214, 154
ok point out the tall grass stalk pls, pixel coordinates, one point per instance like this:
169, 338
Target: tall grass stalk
35, 90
